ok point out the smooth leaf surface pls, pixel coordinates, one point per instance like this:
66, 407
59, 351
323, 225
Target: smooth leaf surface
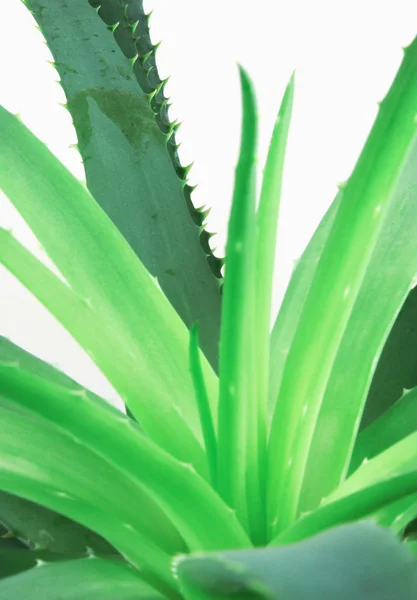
37, 526
117, 291
294, 300
44, 529
84, 579
238, 434
158, 478
360, 561
46, 465
359, 505
319, 431
127, 163
392, 426
262, 276
392, 268
397, 366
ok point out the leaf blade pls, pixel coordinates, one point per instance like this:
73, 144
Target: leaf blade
79, 579
365, 202
360, 561
119, 135
112, 284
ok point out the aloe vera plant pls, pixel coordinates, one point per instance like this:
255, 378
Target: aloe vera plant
250, 463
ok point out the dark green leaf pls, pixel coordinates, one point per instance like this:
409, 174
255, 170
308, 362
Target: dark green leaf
397, 365
392, 426
128, 166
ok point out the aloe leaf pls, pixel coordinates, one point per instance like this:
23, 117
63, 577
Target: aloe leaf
391, 427
83, 579
206, 418
313, 428
392, 268
266, 235
175, 487
294, 300
237, 432
396, 459
359, 505
397, 365
40, 528
43, 529
360, 561
109, 286
80, 485
144, 189
15, 557
10, 352
398, 515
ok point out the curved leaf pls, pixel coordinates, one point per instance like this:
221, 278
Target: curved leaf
110, 289
37, 526
45, 465
396, 423
157, 477
359, 505
84, 579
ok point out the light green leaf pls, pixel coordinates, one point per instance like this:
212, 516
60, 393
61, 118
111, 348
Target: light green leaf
156, 476
394, 460
359, 505
127, 160
262, 276
360, 561
110, 289
309, 453
391, 427
43, 464
206, 418
84, 579
397, 515
294, 300
237, 432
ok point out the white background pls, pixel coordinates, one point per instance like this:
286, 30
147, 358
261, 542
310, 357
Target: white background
345, 55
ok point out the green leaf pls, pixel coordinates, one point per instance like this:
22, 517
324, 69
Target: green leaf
309, 453
237, 432
294, 300
41, 463
397, 365
15, 557
359, 505
157, 477
43, 529
10, 352
84, 579
126, 156
391, 427
398, 515
262, 281
360, 561
394, 460
206, 418
392, 268
112, 303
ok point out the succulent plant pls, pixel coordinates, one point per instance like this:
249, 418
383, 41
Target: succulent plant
249, 463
